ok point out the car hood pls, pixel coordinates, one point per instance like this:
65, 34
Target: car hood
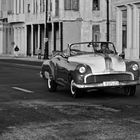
100, 63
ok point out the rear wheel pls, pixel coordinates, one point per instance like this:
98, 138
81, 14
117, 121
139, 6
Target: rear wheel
130, 90
75, 92
52, 85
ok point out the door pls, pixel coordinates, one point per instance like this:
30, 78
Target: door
62, 69
95, 33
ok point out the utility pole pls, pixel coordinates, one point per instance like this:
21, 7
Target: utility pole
107, 23
46, 50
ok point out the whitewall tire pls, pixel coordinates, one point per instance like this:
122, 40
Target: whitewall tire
75, 92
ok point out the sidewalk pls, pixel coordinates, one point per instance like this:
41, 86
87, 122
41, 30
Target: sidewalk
27, 58
22, 60
30, 60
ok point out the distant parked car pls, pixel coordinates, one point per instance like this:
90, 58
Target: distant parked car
90, 65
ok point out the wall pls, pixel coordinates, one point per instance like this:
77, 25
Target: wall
71, 33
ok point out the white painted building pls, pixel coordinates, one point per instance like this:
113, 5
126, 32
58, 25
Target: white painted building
77, 20
5, 28
27, 19
70, 21
126, 13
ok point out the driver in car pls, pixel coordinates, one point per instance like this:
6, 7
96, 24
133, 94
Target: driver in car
104, 48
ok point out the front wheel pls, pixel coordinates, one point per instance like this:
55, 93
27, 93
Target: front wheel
75, 92
52, 85
130, 90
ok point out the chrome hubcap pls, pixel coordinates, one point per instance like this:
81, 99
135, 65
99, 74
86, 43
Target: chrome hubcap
72, 88
49, 83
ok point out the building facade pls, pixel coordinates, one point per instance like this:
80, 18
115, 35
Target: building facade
5, 28
126, 14
27, 20
67, 21
30, 23
76, 20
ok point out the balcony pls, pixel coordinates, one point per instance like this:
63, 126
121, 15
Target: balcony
16, 18
35, 18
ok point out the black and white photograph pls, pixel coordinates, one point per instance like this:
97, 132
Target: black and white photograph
69, 69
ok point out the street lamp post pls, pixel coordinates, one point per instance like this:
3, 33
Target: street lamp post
46, 50
107, 23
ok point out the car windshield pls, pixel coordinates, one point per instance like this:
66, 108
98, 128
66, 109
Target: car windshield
92, 47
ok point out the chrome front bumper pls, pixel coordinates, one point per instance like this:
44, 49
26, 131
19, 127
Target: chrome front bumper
102, 85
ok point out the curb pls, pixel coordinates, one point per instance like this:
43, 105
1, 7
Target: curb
22, 60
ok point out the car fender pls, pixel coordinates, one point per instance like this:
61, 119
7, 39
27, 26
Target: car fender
129, 63
47, 66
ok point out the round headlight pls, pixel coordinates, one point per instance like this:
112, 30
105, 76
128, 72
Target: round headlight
82, 69
135, 67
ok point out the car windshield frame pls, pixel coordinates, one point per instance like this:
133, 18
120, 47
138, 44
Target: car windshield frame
90, 47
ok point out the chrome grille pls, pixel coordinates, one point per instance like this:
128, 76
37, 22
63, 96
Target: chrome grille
108, 77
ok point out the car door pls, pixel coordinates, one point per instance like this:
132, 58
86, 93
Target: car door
62, 69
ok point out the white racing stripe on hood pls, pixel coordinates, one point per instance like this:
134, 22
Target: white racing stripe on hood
98, 63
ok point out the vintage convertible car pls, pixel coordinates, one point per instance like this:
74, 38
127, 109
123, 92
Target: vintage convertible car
90, 65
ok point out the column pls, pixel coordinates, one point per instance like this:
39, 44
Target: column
129, 31
52, 40
60, 36
39, 47
135, 51
17, 37
25, 40
1, 39
32, 39
22, 41
119, 30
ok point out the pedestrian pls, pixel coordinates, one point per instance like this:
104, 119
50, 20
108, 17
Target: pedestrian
16, 49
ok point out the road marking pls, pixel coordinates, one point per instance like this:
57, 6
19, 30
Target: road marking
133, 121
106, 108
22, 89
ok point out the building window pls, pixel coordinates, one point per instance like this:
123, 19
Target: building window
56, 7
16, 8
19, 6
35, 7
95, 33
96, 5
29, 10
50, 6
23, 6
124, 30
72, 5
42, 6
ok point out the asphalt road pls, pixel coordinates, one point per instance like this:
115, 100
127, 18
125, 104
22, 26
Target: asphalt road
29, 112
